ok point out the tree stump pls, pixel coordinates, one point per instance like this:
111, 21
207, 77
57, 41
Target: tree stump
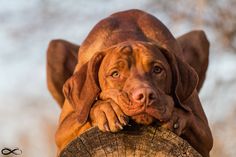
135, 141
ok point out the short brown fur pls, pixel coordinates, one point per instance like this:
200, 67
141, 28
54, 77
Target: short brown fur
158, 79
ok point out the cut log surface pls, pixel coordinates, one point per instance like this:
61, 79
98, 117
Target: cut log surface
138, 141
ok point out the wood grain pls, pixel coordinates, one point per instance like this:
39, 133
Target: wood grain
135, 141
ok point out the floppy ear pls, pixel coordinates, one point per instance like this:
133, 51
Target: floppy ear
184, 79
82, 89
61, 61
195, 47
185, 82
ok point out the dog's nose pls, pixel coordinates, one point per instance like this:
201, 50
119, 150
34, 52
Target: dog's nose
144, 95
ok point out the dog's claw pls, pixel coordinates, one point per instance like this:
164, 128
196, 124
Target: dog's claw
119, 125
106, 127
125, 120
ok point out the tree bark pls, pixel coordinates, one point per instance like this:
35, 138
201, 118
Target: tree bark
135, 141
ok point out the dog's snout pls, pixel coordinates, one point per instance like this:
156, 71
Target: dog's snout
144, 95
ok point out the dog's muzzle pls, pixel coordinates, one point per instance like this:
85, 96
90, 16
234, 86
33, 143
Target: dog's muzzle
143, 96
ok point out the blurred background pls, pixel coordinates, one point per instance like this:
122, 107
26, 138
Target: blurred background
29, 115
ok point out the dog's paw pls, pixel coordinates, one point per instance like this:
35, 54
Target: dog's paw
179, 121
108, 116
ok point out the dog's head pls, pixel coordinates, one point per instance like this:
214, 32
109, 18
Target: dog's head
144, 79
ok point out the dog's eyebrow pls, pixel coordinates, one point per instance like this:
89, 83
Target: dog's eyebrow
155, 58
118, 63
126, 49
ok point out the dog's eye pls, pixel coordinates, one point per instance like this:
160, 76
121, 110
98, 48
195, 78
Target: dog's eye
115, 74
157, 69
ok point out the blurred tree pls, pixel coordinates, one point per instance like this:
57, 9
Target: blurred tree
219, 16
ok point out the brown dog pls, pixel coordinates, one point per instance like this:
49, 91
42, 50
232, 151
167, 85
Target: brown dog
130, 66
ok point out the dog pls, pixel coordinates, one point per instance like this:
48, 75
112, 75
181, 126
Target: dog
130, 67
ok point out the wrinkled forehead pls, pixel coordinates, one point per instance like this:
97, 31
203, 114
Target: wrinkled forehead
138, 51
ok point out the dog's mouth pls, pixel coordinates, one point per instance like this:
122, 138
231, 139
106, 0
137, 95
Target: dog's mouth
160, 109
142, 113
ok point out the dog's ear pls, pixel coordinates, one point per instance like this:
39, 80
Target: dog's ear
184, 79
185, 82
195, 47
61, 62
82, 88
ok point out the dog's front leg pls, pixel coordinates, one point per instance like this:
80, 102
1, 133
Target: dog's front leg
192, 126
69, 128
